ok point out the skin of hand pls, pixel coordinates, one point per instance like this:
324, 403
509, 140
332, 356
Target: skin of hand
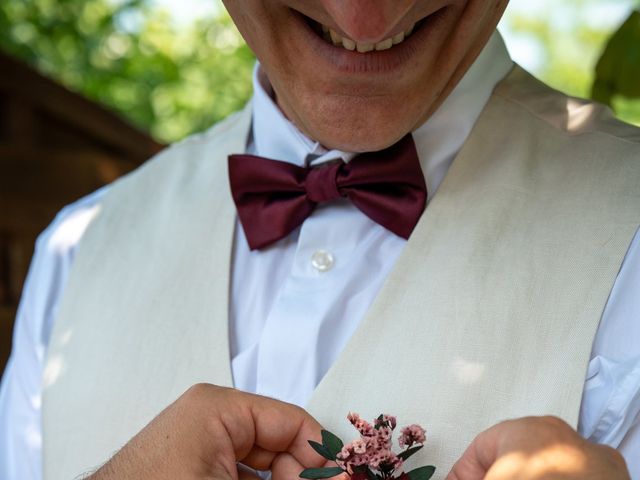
537, 448
208, 430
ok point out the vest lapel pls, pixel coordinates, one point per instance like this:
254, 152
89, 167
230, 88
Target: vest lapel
154, 263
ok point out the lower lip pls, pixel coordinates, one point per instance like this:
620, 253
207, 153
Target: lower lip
377, 61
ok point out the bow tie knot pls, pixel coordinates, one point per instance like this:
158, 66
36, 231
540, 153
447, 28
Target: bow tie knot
321, 183
274, 198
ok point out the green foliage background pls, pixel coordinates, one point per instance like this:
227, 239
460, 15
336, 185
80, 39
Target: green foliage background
166, 79
572, 42
175, 79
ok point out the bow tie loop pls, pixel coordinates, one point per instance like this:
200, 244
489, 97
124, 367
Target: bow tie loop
321, 183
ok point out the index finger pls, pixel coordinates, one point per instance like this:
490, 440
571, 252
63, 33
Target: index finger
283, 427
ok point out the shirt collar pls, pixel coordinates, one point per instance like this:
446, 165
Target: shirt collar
437, 140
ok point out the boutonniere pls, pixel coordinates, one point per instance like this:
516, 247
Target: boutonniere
370, 457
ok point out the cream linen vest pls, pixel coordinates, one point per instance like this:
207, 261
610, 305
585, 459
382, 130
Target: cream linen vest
489, 313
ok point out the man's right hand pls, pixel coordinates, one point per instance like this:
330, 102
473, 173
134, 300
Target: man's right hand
204, 433
537, 448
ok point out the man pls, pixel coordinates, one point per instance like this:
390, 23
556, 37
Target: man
510, 284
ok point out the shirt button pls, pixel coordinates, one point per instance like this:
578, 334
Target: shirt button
322, 260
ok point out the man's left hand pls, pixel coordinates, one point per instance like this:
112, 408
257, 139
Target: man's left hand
537, 448
208, 430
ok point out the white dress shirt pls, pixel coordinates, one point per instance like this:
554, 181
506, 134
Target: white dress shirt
295, 304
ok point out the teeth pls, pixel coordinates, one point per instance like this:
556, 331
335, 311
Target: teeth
335, 38
338, 40
385, 44
348, 43
398, 38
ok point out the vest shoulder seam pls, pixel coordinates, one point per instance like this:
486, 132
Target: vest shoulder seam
600, 118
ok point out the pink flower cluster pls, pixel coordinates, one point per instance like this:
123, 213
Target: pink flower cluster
411, 435
373, 448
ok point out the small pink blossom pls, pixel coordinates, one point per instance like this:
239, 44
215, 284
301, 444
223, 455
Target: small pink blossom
354, 454
345, 453
386, 460
386, 421
359, 446
410, 435
383, 437
364, 427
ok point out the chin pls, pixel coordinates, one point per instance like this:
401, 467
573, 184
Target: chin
364, 138
354, 124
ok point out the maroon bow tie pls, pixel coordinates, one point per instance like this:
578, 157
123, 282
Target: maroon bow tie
273, 198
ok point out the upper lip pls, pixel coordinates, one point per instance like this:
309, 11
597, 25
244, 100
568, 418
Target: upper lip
402, 26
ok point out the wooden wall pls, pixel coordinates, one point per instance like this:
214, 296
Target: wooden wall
55, 147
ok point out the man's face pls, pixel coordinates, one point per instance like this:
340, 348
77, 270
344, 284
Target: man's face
364, 101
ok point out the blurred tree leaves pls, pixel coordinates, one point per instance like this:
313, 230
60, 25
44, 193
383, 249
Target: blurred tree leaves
618, 70
569, 43
124, 54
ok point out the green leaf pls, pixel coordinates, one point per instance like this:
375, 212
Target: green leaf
316, 473
602, 92
618, 69
422, 473
322, 450
331, 442
409, 451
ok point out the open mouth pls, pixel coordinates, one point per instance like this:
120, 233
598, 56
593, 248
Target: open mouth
331, 36
334, 38
404, 46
